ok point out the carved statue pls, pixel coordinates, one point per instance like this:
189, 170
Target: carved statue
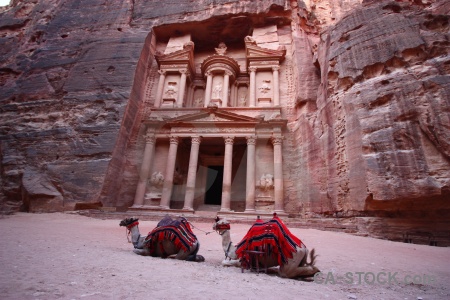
222, 49
217, 90
198, 102
243, 99
266, 182
157, 179
171, 89
265, 87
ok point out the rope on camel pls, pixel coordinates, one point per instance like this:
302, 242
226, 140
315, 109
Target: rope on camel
206, 232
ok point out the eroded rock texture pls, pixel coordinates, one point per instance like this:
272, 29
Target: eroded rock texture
382, 119
368, 115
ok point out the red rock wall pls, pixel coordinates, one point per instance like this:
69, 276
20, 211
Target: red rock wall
368, 123
71, 98
383, 108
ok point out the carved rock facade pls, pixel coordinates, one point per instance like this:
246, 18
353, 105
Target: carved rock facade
362, 104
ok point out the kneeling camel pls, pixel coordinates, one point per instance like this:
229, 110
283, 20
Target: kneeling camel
170, 238
280, 247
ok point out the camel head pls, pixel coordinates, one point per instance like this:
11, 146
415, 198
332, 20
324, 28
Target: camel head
221, 225
129, 222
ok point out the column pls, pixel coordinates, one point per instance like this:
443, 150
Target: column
190, 96
227, 169
159, 91
226, 85
170, 169
192, 173
252, 86
145, 169
208, 88
278, 174
276, 86
234, 101
250, 185
182, 88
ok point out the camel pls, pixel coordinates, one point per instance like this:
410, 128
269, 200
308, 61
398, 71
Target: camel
170, 239
280, 247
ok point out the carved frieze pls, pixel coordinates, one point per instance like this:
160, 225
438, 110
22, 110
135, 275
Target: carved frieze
215, 130
173, 68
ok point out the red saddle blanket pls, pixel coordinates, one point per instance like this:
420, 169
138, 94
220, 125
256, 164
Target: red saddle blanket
179, 233
271, 237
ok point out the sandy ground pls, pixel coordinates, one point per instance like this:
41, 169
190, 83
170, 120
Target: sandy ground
68, 256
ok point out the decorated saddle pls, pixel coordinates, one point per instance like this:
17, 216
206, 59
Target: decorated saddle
177, 231
271, 237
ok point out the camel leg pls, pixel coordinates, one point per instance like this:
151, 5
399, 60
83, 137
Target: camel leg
305, 271
143, 252
231, 262
139, 247
139, 243
297, 266
193, 256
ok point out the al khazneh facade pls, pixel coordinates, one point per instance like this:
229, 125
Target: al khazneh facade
214, 135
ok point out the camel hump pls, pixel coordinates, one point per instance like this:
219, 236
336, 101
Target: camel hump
168, 221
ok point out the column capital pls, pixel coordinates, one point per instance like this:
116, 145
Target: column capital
228, 73
251, 140
252, 69
208, 73
228, 140
275, 68
196, 139
277, 140
149, 138
162, 72
183, 71
174, 139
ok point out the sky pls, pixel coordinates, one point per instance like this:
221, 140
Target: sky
4, 2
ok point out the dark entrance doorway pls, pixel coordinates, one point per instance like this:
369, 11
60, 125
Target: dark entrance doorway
214, 181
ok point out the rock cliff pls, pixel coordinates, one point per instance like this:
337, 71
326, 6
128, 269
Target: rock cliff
378, 128
368, 124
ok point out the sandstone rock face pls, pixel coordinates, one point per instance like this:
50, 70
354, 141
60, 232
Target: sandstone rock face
368, 110
382, 109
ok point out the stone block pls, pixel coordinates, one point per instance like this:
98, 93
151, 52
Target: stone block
176, 43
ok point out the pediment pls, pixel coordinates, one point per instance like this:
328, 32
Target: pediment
213, 117
174, 56
255, 52
184, 56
